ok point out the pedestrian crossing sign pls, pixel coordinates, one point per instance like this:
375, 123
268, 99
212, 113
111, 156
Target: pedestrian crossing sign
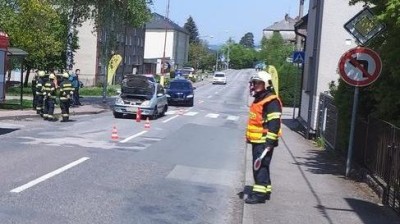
298, 57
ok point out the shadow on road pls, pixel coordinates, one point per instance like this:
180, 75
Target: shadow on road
4, 131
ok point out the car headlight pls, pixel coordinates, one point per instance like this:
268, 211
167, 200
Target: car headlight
190, 96
167, 95
146, 103
119, 101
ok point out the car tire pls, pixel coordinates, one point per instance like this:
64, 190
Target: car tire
191, 103
118, 115
155, 115
164, 111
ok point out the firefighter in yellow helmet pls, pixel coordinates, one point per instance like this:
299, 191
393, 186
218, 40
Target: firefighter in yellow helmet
263, 131
50, 98
66, 92
39, 92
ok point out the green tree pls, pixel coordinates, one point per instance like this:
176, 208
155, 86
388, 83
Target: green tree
275, 50
34, 26
247, 40
191, 27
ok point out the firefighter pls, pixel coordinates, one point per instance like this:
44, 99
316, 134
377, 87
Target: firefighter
66, 92
39, 92
50, 98
263, 130
35, 80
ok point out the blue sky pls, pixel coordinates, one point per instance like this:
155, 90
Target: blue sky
229, 18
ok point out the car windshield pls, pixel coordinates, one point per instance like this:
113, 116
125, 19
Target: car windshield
179, 85
219, 75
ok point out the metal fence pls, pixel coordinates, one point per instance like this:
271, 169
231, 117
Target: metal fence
376, 147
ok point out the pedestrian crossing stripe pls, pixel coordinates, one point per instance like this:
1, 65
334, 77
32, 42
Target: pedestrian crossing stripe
212, 115
191, 113
232, 118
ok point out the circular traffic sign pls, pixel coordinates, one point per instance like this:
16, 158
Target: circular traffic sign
360, 66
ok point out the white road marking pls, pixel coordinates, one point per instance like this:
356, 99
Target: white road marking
209, 97
232, 118
171, 112
216, 92
212, 115
133, 136
191, 113
171, 118
49, 175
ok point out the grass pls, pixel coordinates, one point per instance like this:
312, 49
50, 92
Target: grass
320, 142
14, 104
15, 90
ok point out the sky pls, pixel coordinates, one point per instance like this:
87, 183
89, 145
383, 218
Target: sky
229, 18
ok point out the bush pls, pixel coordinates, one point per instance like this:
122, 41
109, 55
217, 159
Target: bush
98, 91
289, 84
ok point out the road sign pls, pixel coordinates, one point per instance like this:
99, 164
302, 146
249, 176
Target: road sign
360, 66
298, 57
364, 26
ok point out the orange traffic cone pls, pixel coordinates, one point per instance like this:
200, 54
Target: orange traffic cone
147, 124
114, 134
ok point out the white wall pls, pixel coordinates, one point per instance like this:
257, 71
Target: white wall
286, 35
181, 47
85, 56
332, 46
154, 44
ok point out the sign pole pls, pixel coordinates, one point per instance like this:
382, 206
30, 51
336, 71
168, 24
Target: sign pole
353, 124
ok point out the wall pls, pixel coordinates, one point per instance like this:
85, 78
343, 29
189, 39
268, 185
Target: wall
154, 46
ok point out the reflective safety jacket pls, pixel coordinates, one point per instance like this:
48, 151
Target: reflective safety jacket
40, 87
264, 125
66, 90
49, 90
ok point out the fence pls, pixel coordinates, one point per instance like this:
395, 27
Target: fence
376, 147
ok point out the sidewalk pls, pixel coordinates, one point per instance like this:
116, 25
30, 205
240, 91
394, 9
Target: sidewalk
309, 187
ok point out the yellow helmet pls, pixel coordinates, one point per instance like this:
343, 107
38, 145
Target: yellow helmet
41, 73
264, 77
65, 75
52, 76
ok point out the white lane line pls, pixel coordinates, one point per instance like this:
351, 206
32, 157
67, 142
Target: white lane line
133, 136
216, 92
191, 113
232, 118
212, 115
171, 118
209, 97
171, 112
49, 175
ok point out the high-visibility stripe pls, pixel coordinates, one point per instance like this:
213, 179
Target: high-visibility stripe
272, 136
65, 115
269, 188
259, 189
272, 116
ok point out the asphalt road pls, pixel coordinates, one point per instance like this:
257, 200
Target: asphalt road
186, 168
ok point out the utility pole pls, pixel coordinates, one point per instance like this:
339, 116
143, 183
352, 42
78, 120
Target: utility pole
299, 38
162, 79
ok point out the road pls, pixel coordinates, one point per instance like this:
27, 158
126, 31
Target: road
186, 168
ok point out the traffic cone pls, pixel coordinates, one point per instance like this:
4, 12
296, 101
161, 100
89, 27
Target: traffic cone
114, 134
139, 115
147, 124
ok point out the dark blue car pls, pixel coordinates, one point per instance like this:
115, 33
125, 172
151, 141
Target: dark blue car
180, 91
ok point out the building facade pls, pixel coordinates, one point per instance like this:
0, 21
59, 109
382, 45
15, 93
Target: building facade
130, 43
326, 41
285, 27
176, 44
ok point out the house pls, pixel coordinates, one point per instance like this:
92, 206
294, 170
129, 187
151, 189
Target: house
326, 41
176, 44
285, 27
130, 45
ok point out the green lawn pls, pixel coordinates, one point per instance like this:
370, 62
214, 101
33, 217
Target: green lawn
14, 104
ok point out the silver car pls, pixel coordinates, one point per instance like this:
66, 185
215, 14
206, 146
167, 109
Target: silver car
139, 93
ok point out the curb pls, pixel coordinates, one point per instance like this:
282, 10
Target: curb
20, 117
247, 217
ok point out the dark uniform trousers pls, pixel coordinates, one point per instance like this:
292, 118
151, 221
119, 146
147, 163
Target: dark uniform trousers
262, 176
65, 105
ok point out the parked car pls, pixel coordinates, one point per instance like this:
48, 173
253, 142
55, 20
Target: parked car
180, 91
150, 77
137, 92
219, 78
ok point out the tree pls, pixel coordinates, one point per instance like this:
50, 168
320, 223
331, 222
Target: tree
275, 50
247, 40
34, 26
191, 27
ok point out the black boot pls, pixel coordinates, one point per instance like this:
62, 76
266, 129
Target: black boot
256, 198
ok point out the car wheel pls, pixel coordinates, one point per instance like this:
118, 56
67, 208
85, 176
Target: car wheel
164, 110
155, 114
118, 115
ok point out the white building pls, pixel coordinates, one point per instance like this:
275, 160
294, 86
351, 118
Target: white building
326, 41
176, 48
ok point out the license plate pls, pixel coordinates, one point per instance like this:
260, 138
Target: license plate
131, 109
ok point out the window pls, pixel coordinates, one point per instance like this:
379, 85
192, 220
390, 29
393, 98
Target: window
160, 89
